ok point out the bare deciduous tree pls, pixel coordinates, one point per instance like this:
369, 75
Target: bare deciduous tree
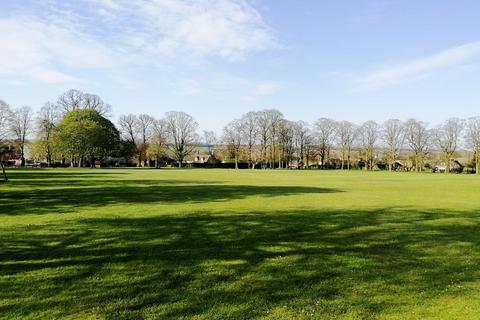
210, 140
47, 118
128, 125
275, 117
446, 137
5, 114
417, 136
346, 135
393, 136
70, 100
20, 127
473, 140
75, 99
263, 124
310, 150
181, 128
369, 133
144, 128
250, 131
286, 135
92, 101
325, 133
158, 141
302, 137
232, 135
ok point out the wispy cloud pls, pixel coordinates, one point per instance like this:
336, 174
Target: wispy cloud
227, 85
421, 68
229, 29
35, 49
262, 89
51, 40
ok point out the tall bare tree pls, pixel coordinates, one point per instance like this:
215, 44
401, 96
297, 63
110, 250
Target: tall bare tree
70, 100
263, 124
210, 140
275, 118
158, 141
250, 131
5, 114
302, 136
286, 143
393, 136
75, 99
447, 138
325, 133
128, 125
417, 136
92, 101
144, 129
310, 150
473, 140
346, 132
232, 135
47, 118
21, 126
369, 134
181, 129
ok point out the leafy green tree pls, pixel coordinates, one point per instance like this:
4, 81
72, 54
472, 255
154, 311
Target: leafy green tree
85, 134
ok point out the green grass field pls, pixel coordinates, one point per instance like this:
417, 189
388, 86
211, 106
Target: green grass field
225, 244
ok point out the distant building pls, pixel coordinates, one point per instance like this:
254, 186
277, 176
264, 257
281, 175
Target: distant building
201, 158
455, 166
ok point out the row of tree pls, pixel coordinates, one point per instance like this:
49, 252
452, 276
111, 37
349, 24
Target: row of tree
77, 129
281, 141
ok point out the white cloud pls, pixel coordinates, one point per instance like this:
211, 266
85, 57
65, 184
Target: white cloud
229, 29
34, 49
49, 41
454, 57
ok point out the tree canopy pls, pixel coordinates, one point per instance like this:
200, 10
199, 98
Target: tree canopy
85, 133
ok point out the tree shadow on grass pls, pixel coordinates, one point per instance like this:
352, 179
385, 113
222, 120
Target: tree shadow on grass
65, 199
41, 174
101, 182
314, 264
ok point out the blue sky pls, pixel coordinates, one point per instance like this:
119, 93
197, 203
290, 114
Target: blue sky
217, 59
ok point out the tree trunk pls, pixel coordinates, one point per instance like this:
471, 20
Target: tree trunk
348, 160
447, 164
477, 162
236, 161
5, 178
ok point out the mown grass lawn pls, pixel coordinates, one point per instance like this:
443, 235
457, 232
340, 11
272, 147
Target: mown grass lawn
225, 244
